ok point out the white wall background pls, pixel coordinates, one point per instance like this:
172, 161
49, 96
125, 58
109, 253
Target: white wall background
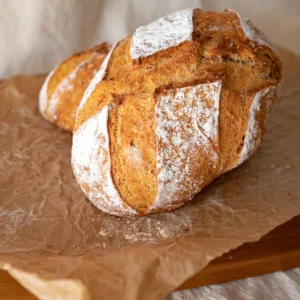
35, 35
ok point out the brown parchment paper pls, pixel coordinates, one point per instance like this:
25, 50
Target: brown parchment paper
59, 246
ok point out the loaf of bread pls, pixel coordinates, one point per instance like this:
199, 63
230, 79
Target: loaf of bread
64, 87
180, 102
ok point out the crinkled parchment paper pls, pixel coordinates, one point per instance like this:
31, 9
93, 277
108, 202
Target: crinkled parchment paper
59, 246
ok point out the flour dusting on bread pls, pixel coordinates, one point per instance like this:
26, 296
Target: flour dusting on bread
186, 120
166, 32
254, 131
43, 96
67, 84
165, 111
97, 78
251, 32
92, 165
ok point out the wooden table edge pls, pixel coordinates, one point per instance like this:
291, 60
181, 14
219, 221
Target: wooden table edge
278, 250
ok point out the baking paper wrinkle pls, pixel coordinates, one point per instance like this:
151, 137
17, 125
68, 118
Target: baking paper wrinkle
50, 230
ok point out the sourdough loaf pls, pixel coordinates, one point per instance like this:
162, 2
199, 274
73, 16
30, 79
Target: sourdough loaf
180, 102
64, 86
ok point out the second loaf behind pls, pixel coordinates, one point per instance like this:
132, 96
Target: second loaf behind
64, 87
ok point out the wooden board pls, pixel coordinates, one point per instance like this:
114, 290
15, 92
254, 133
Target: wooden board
278, 250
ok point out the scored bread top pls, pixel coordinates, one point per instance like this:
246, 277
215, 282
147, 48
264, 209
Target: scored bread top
142, 84
218, 38
164, 33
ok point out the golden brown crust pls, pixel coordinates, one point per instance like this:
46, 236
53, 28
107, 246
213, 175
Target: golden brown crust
131, 161
218, 51
68, 83
243, 65
66, 67
234, 115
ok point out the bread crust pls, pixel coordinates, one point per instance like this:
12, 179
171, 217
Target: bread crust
184, 111
64, 87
